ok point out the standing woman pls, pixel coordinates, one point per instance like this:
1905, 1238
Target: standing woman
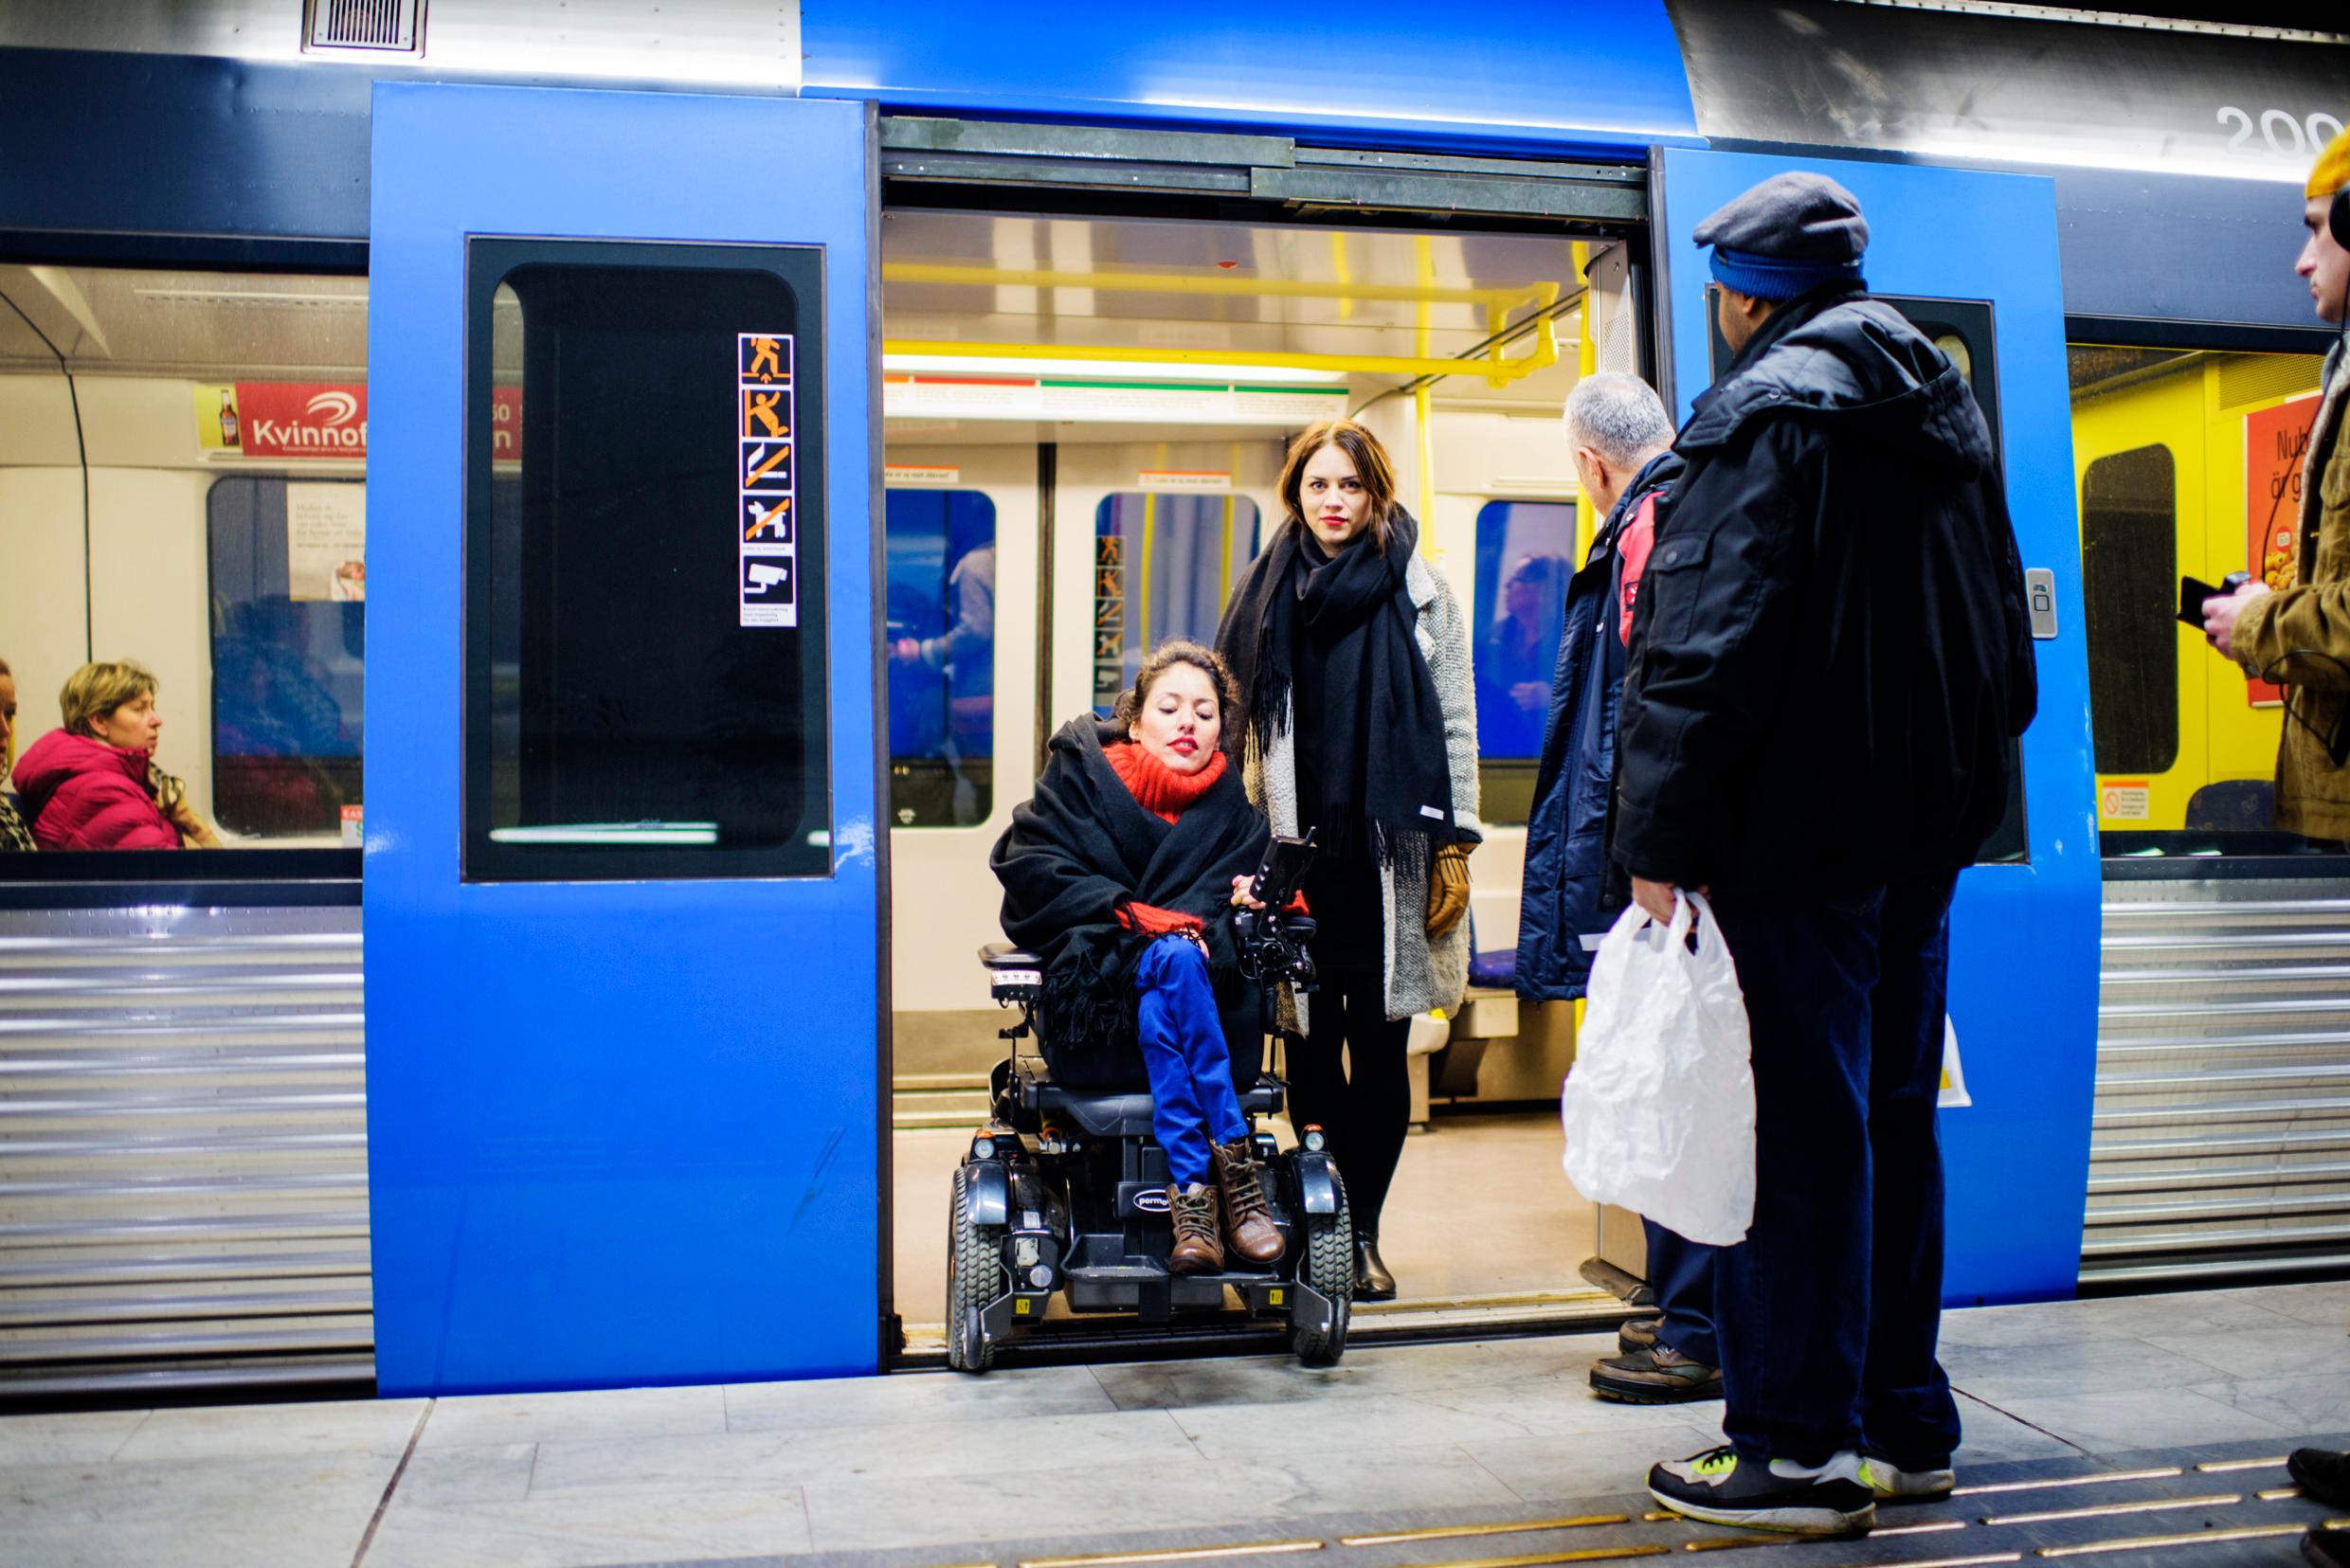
1353, 662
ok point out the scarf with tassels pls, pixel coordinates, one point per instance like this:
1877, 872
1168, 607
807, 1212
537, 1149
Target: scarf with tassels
1340, 627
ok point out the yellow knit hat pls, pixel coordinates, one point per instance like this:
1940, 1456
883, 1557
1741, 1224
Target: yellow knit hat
2333, 169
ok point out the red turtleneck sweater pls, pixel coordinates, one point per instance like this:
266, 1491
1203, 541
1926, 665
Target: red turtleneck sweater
1165, 793
1162, 791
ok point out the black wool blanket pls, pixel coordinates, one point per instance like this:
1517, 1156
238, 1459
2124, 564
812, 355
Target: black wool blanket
1081, 847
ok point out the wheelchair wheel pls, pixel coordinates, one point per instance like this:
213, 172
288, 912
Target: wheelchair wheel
1326, 1263
974, 1278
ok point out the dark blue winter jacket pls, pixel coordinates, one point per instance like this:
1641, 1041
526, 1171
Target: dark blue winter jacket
1566, 869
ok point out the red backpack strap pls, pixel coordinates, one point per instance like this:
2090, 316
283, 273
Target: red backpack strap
1638, 538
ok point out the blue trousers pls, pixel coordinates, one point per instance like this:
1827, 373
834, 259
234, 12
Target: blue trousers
1192, 1102
1680, 1272
1827, 1314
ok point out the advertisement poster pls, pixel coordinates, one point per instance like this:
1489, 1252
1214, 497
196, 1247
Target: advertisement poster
326, 541
765, 578
302, 420
2276, 442
283, 420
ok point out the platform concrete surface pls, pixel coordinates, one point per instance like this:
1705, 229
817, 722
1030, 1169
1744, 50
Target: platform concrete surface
936, 1469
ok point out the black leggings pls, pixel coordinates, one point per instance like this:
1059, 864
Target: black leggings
1365, 1107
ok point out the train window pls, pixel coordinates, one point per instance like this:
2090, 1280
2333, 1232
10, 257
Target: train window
288, 633
181, 457
2129, 566
941, 547
1163, 567
1525, 554
2190, 465
644, 637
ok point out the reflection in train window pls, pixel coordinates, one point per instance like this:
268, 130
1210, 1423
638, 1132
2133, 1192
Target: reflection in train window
1162, 567
2129, 566
1526, 552
288, 633
942, 639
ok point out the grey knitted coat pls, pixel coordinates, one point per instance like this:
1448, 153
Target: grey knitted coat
1422, 975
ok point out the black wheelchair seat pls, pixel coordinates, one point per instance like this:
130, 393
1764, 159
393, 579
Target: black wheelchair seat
1110, 1112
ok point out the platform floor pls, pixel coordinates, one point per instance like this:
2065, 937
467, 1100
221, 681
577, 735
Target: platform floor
934, 1468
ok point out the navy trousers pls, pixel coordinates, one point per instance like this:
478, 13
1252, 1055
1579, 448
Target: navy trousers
1827, 1314
1680, 1272
1192, 1102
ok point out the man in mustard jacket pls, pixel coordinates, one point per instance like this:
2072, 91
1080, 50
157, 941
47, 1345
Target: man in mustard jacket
2299, 636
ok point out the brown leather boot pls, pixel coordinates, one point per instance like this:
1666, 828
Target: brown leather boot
1198, 1249
1248, 1222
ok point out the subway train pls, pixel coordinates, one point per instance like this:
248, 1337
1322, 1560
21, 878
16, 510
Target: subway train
614, 512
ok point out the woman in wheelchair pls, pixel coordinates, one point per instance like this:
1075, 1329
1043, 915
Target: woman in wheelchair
1121, 872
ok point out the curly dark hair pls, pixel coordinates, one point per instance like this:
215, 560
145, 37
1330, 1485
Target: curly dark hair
1164, 658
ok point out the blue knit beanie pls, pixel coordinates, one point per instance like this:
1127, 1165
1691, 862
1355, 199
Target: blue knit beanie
1786, 237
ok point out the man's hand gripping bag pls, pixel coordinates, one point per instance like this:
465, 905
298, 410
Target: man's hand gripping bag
1660, 1108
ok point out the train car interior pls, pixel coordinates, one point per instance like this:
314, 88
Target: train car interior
1085, 421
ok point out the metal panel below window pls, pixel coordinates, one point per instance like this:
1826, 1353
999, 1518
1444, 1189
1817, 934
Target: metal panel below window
183, 1149
2221, 1138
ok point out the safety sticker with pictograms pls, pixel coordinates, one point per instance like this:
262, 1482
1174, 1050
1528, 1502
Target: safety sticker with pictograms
766, 580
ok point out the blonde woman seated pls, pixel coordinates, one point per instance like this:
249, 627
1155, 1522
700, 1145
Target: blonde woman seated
93, 783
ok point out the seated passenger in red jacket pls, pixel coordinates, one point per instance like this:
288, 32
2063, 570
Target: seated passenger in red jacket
93, 783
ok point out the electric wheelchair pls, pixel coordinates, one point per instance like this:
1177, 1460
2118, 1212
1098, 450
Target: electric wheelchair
1065, 1190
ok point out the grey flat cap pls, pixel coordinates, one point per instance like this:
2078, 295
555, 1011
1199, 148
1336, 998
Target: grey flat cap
1792, 217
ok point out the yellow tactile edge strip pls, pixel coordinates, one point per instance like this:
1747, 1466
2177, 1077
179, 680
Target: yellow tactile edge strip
2105, 1510
1178, 1554
1501, 1527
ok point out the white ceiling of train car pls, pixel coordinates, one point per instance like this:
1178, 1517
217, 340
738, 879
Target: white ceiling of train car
953, 281
183, 323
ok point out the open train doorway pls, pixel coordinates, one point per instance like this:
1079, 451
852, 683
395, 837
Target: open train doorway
1087, 399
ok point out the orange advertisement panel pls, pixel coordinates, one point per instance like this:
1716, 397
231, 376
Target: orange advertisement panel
2276, 442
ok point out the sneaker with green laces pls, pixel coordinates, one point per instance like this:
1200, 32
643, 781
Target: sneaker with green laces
1720, 1488
1891, 1484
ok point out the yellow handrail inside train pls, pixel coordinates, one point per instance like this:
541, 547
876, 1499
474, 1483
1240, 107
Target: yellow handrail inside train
1182, 282
1500, 372
1498, 304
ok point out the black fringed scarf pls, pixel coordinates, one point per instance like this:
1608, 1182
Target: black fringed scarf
1342, 624
1082, 846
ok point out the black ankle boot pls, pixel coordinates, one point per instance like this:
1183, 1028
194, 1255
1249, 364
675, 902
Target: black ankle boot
1371, 1280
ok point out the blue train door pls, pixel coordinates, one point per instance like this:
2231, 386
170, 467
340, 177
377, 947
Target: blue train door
1972, 257
626, 989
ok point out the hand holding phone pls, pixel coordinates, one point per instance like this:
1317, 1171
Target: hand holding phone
2193, 590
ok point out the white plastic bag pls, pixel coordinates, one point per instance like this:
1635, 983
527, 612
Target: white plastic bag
1660, 1108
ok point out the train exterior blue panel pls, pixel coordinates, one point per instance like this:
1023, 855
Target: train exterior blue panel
1601, 76
619, 1133
176, 145
2024, 951
2182, 247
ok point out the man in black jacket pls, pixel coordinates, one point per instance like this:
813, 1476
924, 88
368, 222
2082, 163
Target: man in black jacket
1831, 660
